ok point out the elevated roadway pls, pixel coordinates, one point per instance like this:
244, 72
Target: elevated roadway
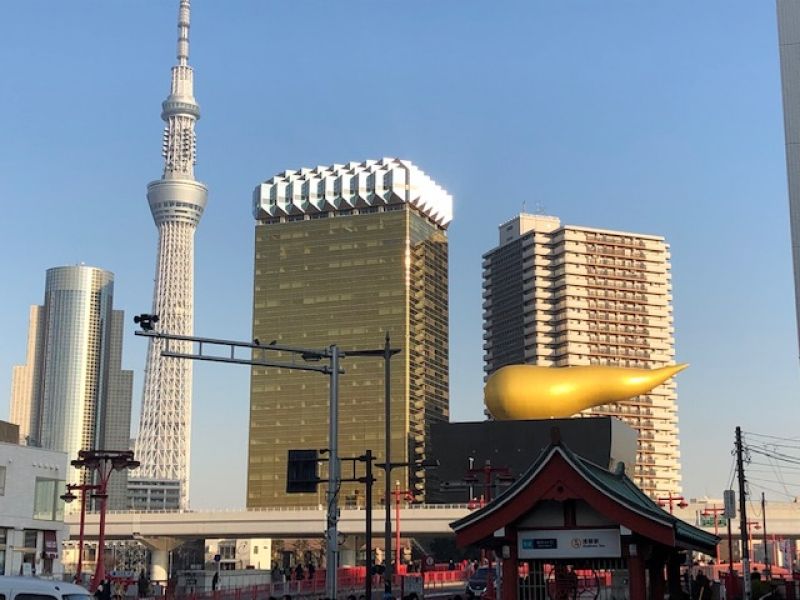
783, 521
268, 523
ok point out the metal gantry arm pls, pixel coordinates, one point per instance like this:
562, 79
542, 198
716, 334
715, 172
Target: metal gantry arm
333, 355
203, 344
331, 369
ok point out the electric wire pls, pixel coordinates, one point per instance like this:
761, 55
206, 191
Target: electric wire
772, 437
777, 456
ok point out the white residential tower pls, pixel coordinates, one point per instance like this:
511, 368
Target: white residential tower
789, 41
559, 295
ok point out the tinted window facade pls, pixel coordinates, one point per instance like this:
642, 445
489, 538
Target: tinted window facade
347, 278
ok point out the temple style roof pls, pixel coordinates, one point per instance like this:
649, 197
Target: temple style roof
557, 471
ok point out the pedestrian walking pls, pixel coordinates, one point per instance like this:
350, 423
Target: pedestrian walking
143, 585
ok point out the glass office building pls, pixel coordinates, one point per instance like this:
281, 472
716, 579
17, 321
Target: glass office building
344, 255
73, 394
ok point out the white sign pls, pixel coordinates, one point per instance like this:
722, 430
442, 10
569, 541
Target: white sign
729, 497
569, 543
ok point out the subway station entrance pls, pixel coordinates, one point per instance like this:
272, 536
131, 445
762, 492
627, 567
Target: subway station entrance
571, 530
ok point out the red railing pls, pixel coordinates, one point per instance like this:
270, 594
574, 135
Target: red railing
350, 580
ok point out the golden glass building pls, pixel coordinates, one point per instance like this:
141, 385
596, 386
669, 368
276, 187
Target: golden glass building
343, 255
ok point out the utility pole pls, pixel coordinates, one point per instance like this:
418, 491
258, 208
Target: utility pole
730, 546
369, 480
388, 572
743, 527
764, 526
334, 476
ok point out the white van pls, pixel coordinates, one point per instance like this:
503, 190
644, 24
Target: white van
31, 588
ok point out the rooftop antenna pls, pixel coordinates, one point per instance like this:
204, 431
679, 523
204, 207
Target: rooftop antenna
540, 208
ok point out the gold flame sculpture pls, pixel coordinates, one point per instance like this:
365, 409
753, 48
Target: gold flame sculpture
531, 392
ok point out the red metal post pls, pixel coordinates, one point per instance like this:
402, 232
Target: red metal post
488, 472
750, 526
408, 495
78, 570
672, 500
714, 510
104, 462
396, 529
100, 567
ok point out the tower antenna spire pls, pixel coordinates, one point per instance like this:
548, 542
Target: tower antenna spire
184, 11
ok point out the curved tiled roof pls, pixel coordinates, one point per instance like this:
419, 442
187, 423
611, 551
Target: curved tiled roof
616, 485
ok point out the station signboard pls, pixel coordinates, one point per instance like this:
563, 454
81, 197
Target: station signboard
569, 543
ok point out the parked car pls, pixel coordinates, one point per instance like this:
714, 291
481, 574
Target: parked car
30, 588
476, 585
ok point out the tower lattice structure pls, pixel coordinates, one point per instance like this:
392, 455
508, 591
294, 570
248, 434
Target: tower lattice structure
177, 202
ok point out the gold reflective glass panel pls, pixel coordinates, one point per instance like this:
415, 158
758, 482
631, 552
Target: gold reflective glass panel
347, 280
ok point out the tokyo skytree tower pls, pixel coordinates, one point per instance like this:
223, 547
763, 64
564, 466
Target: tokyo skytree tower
176, 201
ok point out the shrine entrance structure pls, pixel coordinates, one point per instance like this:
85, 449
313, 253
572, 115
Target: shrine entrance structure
569, 529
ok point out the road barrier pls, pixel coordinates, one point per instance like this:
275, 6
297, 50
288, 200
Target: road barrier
351, 581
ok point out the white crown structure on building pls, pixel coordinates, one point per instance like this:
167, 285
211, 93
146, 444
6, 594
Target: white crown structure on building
354, 185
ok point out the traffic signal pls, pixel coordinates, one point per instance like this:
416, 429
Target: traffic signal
302, 472
416, 480
145, 321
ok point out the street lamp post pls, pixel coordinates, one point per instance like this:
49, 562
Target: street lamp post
471, 463
387, 352
103, 463
68, 497
489, 480
714, 511
750, 526
672, 500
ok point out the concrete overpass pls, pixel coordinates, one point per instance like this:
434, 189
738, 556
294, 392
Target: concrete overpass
163, 531
268, 523
783, 521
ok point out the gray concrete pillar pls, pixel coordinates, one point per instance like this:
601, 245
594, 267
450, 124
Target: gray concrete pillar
159, 565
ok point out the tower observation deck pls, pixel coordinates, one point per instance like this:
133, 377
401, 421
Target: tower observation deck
177, 202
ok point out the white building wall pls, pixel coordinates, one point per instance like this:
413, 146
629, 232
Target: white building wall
23, 465
250, 553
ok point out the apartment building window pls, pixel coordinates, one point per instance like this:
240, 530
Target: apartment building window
47, 503
2, 481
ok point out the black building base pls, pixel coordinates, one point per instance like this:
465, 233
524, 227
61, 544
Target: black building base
495, 453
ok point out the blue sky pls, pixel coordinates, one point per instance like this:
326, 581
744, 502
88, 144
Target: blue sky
657, 117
